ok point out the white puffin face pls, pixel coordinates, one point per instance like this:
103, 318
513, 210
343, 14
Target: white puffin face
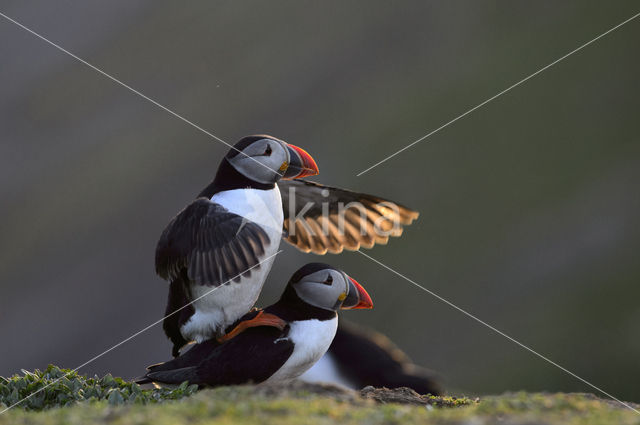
264, 160
331, 289
325, 289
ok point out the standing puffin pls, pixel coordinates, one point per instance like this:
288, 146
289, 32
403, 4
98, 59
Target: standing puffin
236, 224
278, 343
231, 232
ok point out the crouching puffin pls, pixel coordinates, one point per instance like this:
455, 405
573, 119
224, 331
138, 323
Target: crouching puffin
230, 234
278, 343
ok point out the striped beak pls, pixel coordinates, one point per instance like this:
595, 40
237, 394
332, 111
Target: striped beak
301, 164
357, 297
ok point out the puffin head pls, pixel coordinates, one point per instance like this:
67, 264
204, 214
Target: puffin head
326, 287
265, 159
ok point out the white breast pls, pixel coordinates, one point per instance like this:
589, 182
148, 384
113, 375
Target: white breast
311, 339
222, 307
225, 305
260, 206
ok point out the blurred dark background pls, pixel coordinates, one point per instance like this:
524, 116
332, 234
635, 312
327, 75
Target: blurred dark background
529, 205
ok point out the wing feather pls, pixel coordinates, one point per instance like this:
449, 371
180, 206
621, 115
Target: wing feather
212, 244
349, 220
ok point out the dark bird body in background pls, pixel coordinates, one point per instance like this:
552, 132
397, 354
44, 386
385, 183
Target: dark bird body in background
280, 343
359, 357
236, 223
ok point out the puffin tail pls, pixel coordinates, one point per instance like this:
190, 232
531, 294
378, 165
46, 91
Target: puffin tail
175, 376
141, 380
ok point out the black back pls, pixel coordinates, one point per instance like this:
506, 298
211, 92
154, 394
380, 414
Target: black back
252, 356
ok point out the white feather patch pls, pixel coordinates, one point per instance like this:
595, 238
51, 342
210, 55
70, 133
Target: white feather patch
311, 339
225, 305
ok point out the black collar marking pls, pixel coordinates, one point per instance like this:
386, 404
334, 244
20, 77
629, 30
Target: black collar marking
291, 308
228, 178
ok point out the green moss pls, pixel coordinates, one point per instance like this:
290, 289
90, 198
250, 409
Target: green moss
55, 387
295, 404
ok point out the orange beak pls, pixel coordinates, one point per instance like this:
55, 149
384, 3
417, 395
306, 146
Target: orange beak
301, 164
357, 297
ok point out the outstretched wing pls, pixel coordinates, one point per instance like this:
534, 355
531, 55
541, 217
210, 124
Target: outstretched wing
320, 218
252, 356
211, 244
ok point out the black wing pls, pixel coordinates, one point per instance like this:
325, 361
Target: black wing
192, 357
252, 356
178, 311
212, 244
347, 219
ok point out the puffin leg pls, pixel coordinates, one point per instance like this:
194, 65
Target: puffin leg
261, 319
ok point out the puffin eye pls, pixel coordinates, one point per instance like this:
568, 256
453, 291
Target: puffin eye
267, 151
329, 280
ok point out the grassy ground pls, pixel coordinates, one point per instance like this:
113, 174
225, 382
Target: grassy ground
319, 404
